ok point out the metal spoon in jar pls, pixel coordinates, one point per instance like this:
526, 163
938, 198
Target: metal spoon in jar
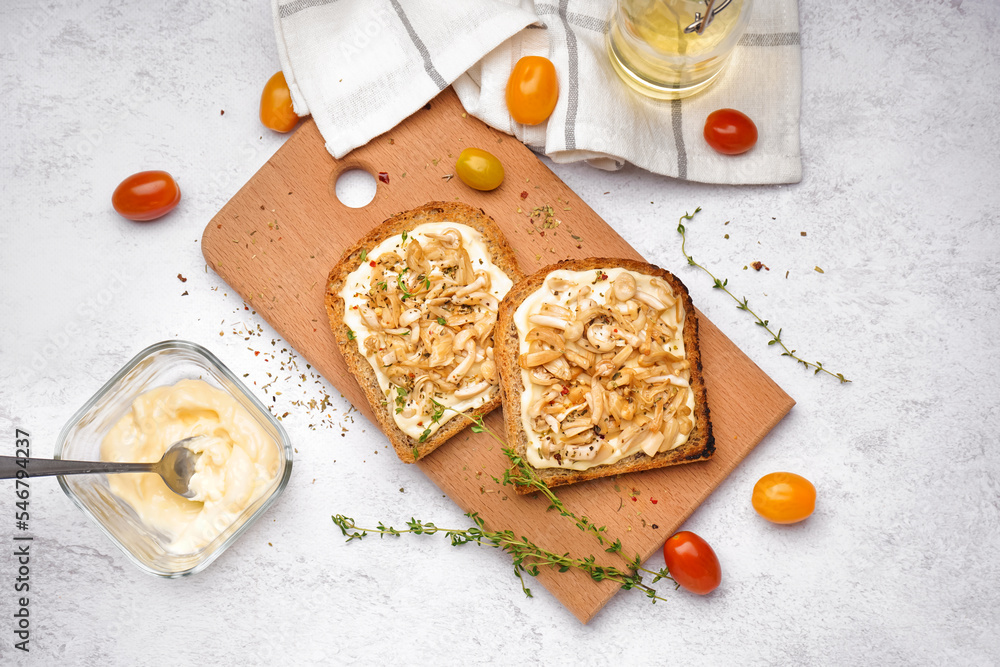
176, 467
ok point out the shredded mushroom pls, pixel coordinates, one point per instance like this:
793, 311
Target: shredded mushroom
431, 319
607, 370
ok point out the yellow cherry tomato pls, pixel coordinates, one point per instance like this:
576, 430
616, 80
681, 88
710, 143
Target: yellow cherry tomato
479, 170
784, 497
276, 110
532, 90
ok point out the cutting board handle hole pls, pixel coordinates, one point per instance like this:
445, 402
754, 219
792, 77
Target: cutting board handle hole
353, 186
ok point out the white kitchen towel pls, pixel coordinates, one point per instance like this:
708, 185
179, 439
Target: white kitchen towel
362, 66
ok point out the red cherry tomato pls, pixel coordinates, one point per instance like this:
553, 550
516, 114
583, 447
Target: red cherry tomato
147, 195
692, 563
532, 90
730, 131
784, 497
276, 110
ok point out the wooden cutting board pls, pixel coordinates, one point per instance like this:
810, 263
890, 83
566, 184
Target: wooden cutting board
279, 236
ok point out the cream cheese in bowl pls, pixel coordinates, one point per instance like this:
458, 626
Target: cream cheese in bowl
166, 393
238, 461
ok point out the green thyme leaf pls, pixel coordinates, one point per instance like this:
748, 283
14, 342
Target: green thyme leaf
744, 304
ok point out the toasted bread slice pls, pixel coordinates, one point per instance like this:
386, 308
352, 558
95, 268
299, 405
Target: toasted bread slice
700, 444
408, 447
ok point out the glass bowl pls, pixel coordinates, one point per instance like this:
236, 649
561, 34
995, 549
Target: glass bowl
158, 365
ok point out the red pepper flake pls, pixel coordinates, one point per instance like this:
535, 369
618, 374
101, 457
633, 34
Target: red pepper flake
181, 278
420, 423
524, 194
372, 264
760, 265
653, 500
256, 353
565, 390
634, 499
541, 233
384, 177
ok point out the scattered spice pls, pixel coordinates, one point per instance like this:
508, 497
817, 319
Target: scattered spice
760, 265
802, 233
185, 293
181, 278
818, 270
384, 177
524, 194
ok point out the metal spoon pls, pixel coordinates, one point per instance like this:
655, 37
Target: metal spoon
176, 467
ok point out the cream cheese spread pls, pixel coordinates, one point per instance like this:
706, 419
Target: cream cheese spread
238, 463
620, 386
421, 308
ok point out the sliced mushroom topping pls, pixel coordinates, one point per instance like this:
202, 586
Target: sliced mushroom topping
549, 321
430, 317
409, 316
478, 284
624, 286
368, 315
600, 336
650, 300
532, 359
449, 238
488, 370
470, 390
466, 365
547, 336
612, 364
573, 331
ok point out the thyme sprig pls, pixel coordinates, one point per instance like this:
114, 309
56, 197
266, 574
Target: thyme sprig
521, 474
744, 304
527, 556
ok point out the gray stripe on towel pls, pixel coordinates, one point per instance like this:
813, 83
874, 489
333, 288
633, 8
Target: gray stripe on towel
417, 42
572, 95
284, 11
677, 122
776, 39
579, 20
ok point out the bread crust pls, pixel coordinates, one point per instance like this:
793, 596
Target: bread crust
409, 449
700, 444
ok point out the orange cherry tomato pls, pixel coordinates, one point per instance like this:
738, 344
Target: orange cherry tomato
478, 169
532, 90
147, 195
784, 497
730, 132
276, 110
692, 562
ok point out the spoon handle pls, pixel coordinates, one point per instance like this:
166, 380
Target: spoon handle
10, 465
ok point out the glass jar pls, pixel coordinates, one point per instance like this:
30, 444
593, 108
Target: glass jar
669, 49
159, 365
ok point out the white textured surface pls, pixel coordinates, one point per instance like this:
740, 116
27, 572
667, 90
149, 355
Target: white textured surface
899, 198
